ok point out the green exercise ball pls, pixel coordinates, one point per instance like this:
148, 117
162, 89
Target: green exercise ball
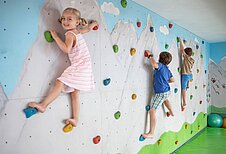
215, 120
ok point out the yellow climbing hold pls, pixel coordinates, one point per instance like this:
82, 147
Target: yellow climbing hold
134, 96
159, 141
68, 128
132, 51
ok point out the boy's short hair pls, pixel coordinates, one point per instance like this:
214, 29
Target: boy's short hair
188, 51
165, 58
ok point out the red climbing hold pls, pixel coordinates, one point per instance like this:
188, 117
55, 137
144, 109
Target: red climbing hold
170, 25
95, 28
96, 139
138, 23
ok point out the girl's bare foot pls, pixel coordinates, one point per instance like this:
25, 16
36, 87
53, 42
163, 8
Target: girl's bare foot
72, 121
183, 107
38, 106
148, 135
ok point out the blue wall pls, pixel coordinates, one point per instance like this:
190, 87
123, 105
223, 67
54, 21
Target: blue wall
18, 31
217, 51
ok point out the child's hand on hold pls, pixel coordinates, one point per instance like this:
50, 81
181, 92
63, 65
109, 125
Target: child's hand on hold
148, 54
54, 34
94, 25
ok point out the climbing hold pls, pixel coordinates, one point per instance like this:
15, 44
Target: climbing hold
224, 85
147, 107
179, 69
141, 138
178, 39
203, 42
197, 46
132, 51
191, 96
124, 3
107, 81
159, 141
193, 113
96, 139
166, 46
196, 87
205, 71
30, 111
168, 114
199, 127
48, 36
115, 48
138, 24
197, 70
186, 126
204, 86
184, 41
117, 115
152, 29
191, 131
201, 56
193, 54
95, 27
68, 128
176, 142
175, 90
200, 102
170, 25
134, 96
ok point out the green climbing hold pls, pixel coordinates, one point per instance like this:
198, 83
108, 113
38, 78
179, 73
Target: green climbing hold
117, 115
166, 46
201, 56
196, 87
124, 3
191, 96
115, 48
152, 29
193, 53
48, 36
178, 39
179, 69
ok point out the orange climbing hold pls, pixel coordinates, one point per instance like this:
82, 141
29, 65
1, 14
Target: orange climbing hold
68, 128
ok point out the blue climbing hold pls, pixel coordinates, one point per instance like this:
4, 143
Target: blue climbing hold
175, 90
107, 81
147, 107
152, 29
141, 138
30, 111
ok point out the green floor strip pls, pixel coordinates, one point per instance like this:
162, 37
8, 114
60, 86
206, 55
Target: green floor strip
170, 140
215, 109
210, 141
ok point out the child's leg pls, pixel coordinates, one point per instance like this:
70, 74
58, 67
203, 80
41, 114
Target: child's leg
184, 97
150, 134
169, 107
75, 108
51, 96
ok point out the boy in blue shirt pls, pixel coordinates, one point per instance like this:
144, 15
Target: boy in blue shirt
162, 78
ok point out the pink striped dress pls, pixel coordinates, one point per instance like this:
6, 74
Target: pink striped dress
79, 75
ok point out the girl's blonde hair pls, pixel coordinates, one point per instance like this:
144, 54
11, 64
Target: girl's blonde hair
82, 21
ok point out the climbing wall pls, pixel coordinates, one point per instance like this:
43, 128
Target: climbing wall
217, 81
112, 116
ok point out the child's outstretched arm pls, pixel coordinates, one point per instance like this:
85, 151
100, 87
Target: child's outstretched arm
90, 26
181, 46
152, 60
64, 46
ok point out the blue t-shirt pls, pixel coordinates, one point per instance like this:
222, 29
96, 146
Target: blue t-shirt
161, 78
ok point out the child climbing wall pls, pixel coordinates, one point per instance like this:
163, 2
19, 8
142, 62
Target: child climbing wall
112, 116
